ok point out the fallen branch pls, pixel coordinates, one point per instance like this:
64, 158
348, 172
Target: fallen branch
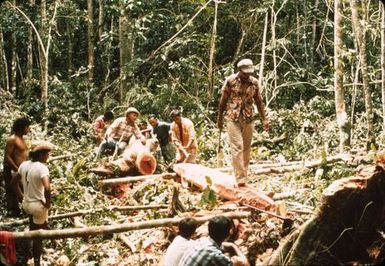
86, 212
60, 157
110, 229
133, 179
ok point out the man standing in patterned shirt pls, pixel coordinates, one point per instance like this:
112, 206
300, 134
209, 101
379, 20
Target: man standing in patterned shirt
239, 92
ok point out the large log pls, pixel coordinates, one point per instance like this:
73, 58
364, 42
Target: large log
346, 227
117, 228
133, 179
135, 159
223, 184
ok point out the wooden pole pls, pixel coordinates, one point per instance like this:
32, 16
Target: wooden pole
85, 212
132, 179
118, 228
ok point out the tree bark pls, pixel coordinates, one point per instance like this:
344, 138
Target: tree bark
69, 49
263, 50
133, 179
3, 63
43, 55
13, 61
119, 228
342, 118
359, 33
223, 185
29, 75
212, 52
345, 227
383, 63
90, 41
101, 19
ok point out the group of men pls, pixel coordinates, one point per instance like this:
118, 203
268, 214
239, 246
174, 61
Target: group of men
176, 140
205, 251
240, 92
27, 181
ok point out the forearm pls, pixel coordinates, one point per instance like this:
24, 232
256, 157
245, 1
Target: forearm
47, 196
11, 163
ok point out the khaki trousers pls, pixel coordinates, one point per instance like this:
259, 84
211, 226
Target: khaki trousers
240, 134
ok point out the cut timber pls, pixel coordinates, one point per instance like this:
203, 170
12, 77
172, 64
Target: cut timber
346, 227
117, 228
86, 212
133, 179
136, 158
223, 184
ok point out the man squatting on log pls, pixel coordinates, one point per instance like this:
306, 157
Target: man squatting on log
239, 92
120, 131
16, 152
34, 176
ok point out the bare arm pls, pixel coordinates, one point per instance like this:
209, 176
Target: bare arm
9, 150
239, 258
47, 191
261, 108
222, 105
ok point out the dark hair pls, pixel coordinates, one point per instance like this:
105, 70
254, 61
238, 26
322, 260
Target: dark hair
36, 155
175, 113
151, 116
219, 228
109, 115
20, 124
187, 227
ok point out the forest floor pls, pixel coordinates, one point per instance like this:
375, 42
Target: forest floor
258, 236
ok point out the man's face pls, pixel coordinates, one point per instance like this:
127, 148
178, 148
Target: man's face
177, 119
26, 130
243, 75
131, 117
153, 121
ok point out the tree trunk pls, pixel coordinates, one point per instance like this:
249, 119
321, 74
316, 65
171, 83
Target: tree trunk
133, 179
135, 158
262, 63
223, 184
69, 49
118, 228
345, 228
342, 118
43, 56
212, 53
359, 33
90, 41
383, 63
126, 48
13, 61
3, 64
101, 19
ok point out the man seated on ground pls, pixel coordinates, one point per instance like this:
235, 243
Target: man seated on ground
101, 124
174, 253
162, 131
16, 152
121, 130
34, 176
184, 138
210, 250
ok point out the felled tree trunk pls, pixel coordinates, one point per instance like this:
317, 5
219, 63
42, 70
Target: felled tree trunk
223, 184
136, 158
346, 228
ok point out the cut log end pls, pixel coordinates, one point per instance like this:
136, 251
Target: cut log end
146, 164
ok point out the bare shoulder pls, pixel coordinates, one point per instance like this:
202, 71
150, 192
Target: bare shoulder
11, 140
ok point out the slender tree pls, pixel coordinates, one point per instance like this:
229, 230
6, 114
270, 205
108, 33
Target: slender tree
383, 62
342, 118
90, 41
13, 60
359, 33
3, 64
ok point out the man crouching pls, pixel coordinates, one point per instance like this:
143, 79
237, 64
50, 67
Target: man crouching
34, 176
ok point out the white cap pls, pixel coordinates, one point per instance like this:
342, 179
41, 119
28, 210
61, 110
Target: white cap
246, 66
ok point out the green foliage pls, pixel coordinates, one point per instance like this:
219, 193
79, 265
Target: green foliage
209, 197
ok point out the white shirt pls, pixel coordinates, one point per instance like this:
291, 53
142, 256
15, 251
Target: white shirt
176, 250
32, 174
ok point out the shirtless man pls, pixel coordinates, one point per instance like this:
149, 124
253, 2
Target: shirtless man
16, 152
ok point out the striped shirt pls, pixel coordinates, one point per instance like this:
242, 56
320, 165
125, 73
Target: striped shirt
120, 128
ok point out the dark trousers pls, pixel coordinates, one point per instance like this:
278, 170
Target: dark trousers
10, 195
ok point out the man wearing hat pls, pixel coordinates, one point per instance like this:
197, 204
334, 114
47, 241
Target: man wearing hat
121, 130
240, 92
34, 176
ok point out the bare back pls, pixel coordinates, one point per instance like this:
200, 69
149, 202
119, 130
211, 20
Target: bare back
16, 151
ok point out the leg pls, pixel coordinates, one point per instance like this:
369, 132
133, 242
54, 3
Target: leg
247, 135
10, 195
37, 244
236, 145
